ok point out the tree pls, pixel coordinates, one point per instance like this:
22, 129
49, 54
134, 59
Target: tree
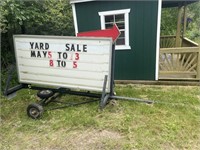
169, 21
193, 29
46, 17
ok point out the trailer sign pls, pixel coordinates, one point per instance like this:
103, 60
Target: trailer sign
67, 62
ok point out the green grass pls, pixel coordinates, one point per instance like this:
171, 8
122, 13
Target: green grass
172, 124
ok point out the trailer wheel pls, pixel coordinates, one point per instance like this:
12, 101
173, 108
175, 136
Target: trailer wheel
45, 94
35, 111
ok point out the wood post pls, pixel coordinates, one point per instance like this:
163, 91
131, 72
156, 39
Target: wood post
178, 30
198, 65
185, 20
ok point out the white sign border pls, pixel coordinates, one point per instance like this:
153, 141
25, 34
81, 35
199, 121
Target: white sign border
109, 84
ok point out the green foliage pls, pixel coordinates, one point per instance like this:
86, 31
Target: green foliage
57, 18
169, 21
16, 13
37, 17
193, 29
46, 17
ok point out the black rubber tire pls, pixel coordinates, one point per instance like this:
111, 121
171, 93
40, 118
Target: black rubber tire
35, 110
45, 94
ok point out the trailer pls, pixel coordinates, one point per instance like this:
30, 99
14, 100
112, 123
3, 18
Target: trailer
54, 65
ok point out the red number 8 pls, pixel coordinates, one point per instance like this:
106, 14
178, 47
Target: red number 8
51, 63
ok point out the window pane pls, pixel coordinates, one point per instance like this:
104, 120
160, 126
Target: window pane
121, 25
119, 18
109, 25
122, 34
120, 41
109, 18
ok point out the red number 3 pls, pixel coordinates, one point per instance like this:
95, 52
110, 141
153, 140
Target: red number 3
77, 56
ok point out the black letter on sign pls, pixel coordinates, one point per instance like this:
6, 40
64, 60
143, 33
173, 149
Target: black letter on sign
72, 47
59, 55
41, 46
36, 46
46, 46
31, 43
58, 62
78, 50
45, 54
65, 55
33, 54
38, 54
84, 48
67, 47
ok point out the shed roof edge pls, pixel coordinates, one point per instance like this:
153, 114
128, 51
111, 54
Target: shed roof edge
164, 2
79, 1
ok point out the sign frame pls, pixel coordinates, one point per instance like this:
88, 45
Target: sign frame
110, 72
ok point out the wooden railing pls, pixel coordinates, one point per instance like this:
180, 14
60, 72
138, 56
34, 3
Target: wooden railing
188, 43
168, 41
179, 62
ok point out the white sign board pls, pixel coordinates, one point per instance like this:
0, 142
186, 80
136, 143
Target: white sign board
67, 62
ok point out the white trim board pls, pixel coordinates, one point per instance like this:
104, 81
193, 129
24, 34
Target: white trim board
75, 18
116, 12
158, 39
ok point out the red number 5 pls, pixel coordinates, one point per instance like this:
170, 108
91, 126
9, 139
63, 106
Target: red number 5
74, 64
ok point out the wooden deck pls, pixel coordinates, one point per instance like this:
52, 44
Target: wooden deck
179, 63
160, 82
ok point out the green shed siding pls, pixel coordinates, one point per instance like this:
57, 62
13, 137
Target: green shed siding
139, 62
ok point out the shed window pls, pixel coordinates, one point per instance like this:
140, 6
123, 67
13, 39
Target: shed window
121, 18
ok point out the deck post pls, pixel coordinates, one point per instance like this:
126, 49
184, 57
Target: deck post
198, 65
178, 30
185, 20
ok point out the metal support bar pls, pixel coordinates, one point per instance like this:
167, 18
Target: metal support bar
68, 91
61, 91
102, 101
13, 89
112, 71
10, 74
132, 99
93, 95
104, 87
9, 91
46, 101
71, 104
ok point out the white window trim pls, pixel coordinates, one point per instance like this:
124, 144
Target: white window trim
126, 19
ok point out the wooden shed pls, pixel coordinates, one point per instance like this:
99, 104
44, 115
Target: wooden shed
138, 47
